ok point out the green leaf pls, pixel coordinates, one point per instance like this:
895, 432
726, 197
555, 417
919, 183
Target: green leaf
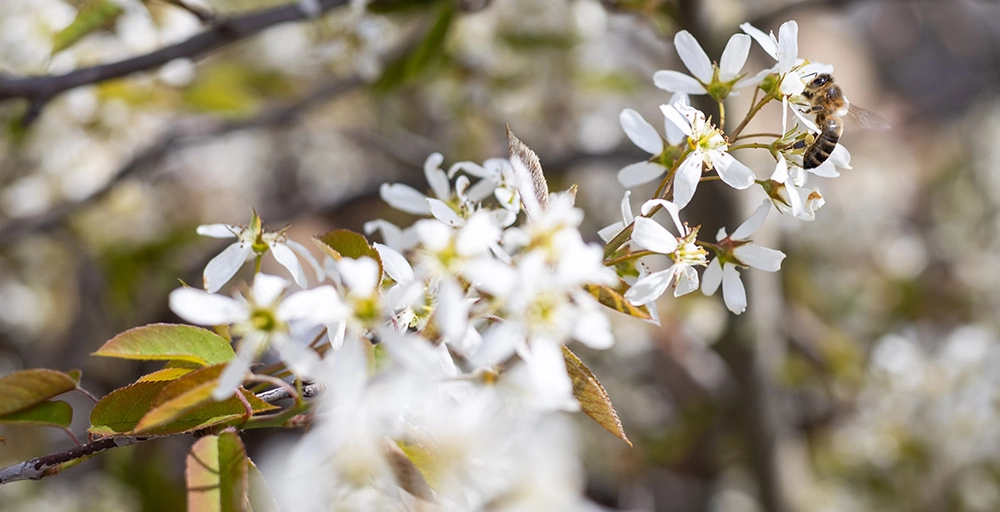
594, 400
165, 374
611, 298
120, 411
217, 474
420, 59
344, 243
180, 396
52, 413
408, 475
26, 388
169, 342
91, 16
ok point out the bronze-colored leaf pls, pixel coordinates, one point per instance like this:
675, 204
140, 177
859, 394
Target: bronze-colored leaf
611, 298
594, 400
408, 476
539, 191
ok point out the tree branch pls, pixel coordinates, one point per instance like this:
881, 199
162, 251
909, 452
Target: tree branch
40, 89
174, 138
41, 467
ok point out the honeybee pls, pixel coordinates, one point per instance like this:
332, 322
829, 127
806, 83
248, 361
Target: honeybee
831, 106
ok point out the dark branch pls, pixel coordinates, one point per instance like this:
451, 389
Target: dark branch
40, 89
177, 137
36, 469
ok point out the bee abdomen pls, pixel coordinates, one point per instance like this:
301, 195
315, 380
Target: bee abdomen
825, 143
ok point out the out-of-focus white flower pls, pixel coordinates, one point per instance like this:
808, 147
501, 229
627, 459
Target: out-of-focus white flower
716, 81
708, 147
496, 178
262, 318
737, 250
450, 207
250, 241
649, 235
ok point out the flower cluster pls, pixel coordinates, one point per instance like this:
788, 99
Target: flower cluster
443, 349
693, 148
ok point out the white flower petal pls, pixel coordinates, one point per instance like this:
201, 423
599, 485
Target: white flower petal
731, 170
687, 280
471, 168
359, 275
320, 305
639, 173
676, 118
711, 278
306, 255
219, 230
675, 81
651, 287
225, 265
780, 173
394, 264
762, 258
404, 198
442, 212
733, 292
734, 57
788, 45
552, 386
205, 308
640, 132
236, 370
766, 41
286, 257
302, 360
752, 224
693, 56
650, 235
687, 178
593, 329
452, 311
478, 234
437, 178
670, 207
267, 288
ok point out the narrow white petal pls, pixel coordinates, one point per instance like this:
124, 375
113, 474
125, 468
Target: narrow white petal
752, 224
286, 257
626, 206
442, 212
734, 57
219, 230
693, 56
452, 311
650, 235
732, 171
306, 255
471, 168
636, 174
394, 263
651, 287
732, 289
361, 275
224, 266
236, 370
320, 305
266, 288
788, 45
640, 132
302, 360
766, 41
687, 178
610, 231
676, 118
711, 278
593, 329
404, 198
552, 385
478, 234
675, 81
481, 189
670, 207
687, 280
205, 308
437, 178
337, 331
780, 173
762, 258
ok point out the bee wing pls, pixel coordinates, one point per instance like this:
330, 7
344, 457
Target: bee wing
867, 118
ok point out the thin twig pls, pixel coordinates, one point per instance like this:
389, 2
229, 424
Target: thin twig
38, 90
41, 467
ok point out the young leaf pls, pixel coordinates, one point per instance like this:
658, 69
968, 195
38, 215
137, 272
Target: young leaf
92, 15
594, 400
408, 476
180, 396
611, 298
528, 173
51, 413
25, 388
164, 374
344, 243
217, 474
169, 342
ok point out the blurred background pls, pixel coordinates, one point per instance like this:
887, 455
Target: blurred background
864, 375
